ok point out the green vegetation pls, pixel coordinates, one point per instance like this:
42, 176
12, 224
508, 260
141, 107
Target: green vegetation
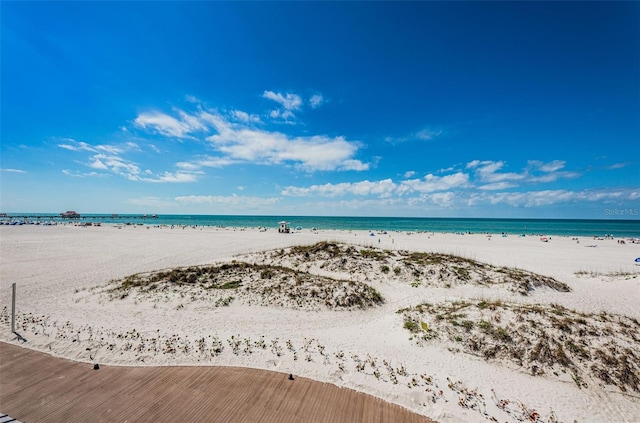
619, 274
374, 254
541, 338
231, 285
224, 302
432, 269
274, 285
411, 326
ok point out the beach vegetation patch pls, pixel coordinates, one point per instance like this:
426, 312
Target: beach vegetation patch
432, 269
542, 339
252, 284
374, 254
607, 275
411, 326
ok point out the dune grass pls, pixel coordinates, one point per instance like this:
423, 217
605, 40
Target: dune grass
252, 284
543, 339
416, 268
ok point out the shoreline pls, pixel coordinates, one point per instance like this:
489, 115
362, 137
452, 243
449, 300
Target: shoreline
56, 268
619, 228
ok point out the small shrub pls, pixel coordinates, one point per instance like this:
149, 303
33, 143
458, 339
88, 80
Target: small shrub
231, 285
467, 324
411, 326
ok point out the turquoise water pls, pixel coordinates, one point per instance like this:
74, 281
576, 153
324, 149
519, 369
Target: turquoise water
569, 227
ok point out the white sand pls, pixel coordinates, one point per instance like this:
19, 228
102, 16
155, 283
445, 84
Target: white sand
55, 267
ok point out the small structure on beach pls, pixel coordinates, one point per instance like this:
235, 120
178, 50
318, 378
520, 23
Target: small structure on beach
283, 227
70, 214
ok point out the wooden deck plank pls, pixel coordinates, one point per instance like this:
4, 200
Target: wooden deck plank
36, 387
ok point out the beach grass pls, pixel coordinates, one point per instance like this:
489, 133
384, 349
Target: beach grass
429, 269
259, 284
542, 339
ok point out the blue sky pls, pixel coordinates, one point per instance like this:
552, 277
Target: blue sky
343, 108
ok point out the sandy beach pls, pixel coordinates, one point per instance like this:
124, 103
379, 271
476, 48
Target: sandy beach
459, 328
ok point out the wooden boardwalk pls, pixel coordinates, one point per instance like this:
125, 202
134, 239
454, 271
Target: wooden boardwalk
35, 387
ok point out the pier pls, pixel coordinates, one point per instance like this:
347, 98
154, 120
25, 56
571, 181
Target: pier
60, 217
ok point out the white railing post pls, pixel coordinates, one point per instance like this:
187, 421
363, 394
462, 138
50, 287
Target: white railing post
13, 307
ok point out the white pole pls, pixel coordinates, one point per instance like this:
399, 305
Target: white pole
13, 307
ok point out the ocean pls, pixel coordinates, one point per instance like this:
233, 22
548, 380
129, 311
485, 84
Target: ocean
566, 227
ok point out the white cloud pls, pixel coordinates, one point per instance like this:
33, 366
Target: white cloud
241, 143
409, 174
192, 99
288, 101
316, 101
536, 171
74, 145
616, 166
551, 166
439, 199
215, 162
356, 165
241, 116
428, 134
431, 183
497, 186
552, 176
8, 170
97, 163
550, 197
384, 188
189, 166
108, 158
287, 114
177, 177
237, 141
550, 171
81, 174
487, 171
115, 164
111, 149
168, 125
